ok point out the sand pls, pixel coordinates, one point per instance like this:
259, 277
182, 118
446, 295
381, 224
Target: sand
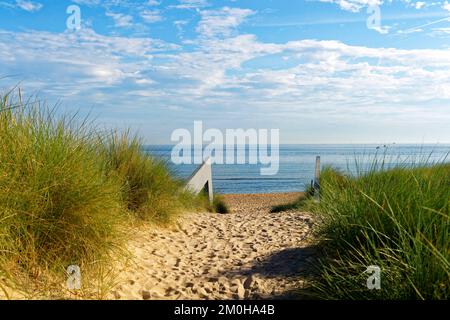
247, 254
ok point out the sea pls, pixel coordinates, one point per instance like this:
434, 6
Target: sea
297, 164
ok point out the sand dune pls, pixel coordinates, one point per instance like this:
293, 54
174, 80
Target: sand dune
249, 253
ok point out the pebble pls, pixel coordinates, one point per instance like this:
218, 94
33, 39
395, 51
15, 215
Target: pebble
236, 282
202, 293
146, 295
241, 292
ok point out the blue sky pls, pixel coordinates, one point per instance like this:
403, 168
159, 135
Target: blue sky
319, 70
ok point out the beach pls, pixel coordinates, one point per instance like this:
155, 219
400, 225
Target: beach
249, 253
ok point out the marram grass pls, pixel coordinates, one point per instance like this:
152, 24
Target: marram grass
148, 189
397, 219
67, 195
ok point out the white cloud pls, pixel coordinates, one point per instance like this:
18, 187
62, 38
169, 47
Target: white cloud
28, 5
143, 81
151, 16
190, 4
446, 6
328, 75
90, 3
125, 12
441, 31
354, 5
419, 5
221, 22
76, 62
153, 3
180, 25
224, 69
120, 19
381, 29
357, 5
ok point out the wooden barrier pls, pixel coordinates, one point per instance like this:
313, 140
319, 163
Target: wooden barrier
201, 180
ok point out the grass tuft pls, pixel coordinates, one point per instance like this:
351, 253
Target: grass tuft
220, 205
149, 190
57, 205
68, 196
397, 219
295, 205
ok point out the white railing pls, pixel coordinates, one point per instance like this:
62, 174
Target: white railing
201, 180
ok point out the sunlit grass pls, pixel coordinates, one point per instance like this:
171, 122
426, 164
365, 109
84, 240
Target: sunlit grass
397, 219
149, 190
67, 197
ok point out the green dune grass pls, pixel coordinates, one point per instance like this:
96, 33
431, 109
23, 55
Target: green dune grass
149, 191
67, 194
397, 219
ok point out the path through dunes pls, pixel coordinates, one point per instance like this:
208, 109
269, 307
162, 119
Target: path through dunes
249, 253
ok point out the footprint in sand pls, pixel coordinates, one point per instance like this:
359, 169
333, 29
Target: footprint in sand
215, 256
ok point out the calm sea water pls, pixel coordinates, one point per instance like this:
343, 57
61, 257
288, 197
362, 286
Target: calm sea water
297, 162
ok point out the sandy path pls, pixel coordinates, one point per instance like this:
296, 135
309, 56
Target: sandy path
249, 253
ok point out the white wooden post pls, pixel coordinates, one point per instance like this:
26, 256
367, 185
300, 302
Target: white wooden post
201, 179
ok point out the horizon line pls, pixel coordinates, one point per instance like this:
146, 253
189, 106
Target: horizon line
315, 144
